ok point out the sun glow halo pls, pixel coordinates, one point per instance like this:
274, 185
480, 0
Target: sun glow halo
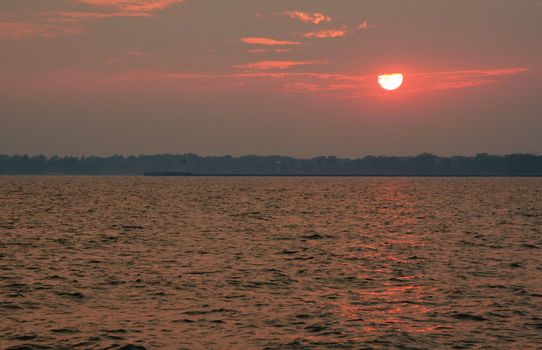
391, 82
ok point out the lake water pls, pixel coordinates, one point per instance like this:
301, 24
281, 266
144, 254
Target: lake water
270, 263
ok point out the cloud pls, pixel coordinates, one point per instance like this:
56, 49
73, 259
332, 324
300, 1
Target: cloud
25, 30
268, 42
468, 75
113, 8
115, 60
314, 18
273, 77
479, 73
74, 17
344, 86
340, 32
49, 24
133, 53
55, 24
132, 5
453, 80
269, 65
137, 53
331, 33
269, 50
364, 25
319, 89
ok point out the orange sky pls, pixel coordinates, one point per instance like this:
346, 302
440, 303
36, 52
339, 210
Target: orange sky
252, 76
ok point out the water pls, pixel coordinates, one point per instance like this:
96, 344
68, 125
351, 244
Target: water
270, 263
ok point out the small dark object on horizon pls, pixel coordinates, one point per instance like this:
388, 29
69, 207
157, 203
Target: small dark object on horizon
132, 347
168, 173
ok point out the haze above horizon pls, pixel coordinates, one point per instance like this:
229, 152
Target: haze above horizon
298, 78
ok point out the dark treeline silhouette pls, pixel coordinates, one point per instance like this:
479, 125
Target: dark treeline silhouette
423, 164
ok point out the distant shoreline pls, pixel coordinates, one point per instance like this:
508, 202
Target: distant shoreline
335, 175
183, 165
275, 175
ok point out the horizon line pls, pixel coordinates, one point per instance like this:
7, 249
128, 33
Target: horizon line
472, 155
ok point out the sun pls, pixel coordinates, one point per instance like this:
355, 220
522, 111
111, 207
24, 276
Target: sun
391, 82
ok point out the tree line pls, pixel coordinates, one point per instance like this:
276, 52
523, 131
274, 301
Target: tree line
424, 164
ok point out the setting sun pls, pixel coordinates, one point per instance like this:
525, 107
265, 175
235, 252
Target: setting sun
390, 82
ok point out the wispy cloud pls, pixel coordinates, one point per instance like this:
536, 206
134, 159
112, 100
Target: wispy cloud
112, 8
137, 53
344, 86
55, 24
132, 5
80, 16
268, 42
24, 30
274, 50
314, 18
453, 80
273, 77
364, 25
134, 54
460, 74
115, 60
341, 32
49, 24
270, 65
330, 33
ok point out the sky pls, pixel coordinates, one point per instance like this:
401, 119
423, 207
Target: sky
288, 77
